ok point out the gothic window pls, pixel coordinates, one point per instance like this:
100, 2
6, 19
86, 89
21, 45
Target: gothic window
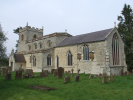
49, 43
69, 58
22, 37
29, 47
85, 52
35, 46
34, 36
30, 59
49, 60
115, 50
34, 61
40, 45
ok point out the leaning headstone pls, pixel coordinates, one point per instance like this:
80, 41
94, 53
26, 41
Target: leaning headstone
59, 72
18, 75
8, 77
72, 72
104, 78
122, 74
91, 76
67, 79
110, 78
76, 78
55, 73
5, 71
96, 76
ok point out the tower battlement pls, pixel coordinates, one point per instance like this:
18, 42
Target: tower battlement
29, 28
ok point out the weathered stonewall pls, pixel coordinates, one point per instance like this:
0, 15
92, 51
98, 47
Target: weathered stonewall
91, 76
55, 73
8, 77
76, 78
96, 76
67, 79
110, 78
5, 71
59, 72
104, 78
18, 75
72, 72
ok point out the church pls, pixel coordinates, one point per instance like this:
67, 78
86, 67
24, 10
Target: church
92, 53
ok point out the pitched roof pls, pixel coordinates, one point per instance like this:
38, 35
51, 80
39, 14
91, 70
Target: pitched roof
19, 58
89, 37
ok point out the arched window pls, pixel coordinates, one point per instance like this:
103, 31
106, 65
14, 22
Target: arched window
40, 45
34, 61
69, 58
49, 43
29, 47
35, 46
85, 52
34, 36
22, 37
115, 49
49, 60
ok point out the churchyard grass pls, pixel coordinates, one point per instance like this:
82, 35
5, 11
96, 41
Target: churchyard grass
84, 89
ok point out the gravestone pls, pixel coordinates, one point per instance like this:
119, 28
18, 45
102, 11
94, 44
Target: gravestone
122, 74
78, 71
28, 74
59, 72
66, 72
96, 76
9, 68
125, 74
55, 73
69, 72
76, 78
91, 76
25, 76
18, 75
52, 71
31, 75
100, 75
111, 78
72, 72
5, 71
8, 77
67, 79
104, 78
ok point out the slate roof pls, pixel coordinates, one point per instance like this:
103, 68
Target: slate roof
89, 37
19, 58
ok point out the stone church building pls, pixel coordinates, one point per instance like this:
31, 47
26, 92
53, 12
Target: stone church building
100, 50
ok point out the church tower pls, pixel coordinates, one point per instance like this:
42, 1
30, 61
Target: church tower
25, 34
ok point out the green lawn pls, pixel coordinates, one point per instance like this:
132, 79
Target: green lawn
86, 89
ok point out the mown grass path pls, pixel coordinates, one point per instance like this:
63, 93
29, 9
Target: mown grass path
86, 89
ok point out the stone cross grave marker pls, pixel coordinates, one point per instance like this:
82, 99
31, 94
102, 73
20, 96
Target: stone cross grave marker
76, 78
8, 76
104, 78
78, 71
91, 76
67, 79
111, 78
59, 72
18, 75
72, 72
5, 71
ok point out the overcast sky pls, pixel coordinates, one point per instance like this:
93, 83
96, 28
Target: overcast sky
77, 16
